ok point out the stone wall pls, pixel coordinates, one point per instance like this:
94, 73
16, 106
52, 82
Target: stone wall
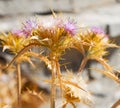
30, 6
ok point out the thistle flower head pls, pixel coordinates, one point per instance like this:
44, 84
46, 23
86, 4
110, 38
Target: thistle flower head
29, 26
75, 89
95, 46
97, 30
70, 27
96, 42
17, 32
13, 42
100, 32
52, 34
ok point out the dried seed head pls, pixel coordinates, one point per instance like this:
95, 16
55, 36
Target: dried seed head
75, 89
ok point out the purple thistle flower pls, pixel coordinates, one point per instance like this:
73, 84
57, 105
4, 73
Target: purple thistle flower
101, 33
97, 30
70, 27
17, 32
29, 25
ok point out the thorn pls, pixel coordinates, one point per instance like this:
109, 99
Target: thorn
53, 13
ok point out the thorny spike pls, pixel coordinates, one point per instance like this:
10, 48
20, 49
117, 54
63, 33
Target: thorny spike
53, 13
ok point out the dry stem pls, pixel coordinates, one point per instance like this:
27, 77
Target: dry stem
116, 104
83, 64
53, 88
19, 85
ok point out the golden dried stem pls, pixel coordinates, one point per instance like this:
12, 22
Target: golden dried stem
19, 85
83, 64
64, 105
21, 52
59, 77
74, 106
53, 88
108, 74
116, 104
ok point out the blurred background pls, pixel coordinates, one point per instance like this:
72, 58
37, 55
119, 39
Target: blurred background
102, 13
93, 12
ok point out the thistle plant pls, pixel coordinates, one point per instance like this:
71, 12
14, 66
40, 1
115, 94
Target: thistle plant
14, 42
57, 35
74, 90
95, 46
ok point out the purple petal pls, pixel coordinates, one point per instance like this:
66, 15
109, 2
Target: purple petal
29, 25
97, 30
18, 32
70, 27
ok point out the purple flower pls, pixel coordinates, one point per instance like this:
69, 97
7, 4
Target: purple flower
100, 33
70, 27
18, 32
29, 25
97, 30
